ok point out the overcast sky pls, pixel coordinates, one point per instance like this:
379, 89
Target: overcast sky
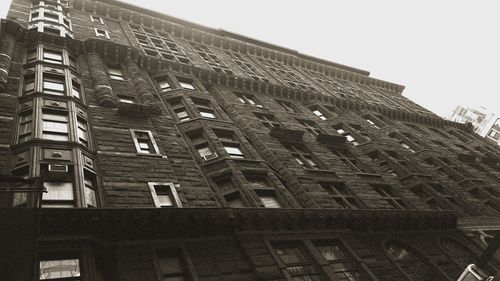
445, 52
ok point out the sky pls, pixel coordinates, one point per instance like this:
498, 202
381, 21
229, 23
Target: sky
445, 52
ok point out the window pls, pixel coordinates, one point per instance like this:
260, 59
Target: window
144, 142
163, 84
248, 99
204, 108
403, 142
341, 194
52, 56
268, 198
409, 262
231, 194
90, 187
164, 195
25, 126
97, 19
230, 143
267, 120
387, 193
186, 83
116, 74
59, 194
287, 106
460, 255
347, 135
171, 265
53, 84
296, 261
76, 89
318, 113
29, 84
31, 56
310, 126
55, 125
374, 121
348, 158
82, 131
73, 64
69, 269
334, 252
302, 155
200, 143
101, 33
181, 114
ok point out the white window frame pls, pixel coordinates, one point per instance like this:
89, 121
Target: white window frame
173, 192
136, 142
98, 19
97, 34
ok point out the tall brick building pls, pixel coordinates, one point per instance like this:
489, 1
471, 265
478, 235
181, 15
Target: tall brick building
137, 146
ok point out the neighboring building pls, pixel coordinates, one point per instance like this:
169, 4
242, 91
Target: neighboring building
485, 123
172, 151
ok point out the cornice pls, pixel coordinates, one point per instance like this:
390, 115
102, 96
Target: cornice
113, 51
231, 41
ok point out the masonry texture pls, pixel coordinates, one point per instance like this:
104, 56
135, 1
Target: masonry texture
139, 147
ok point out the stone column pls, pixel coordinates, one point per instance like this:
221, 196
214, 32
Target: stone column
144, 92
104, 92
7, 46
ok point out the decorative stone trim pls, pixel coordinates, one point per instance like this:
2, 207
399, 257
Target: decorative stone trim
104, 92
144, 92
7, 46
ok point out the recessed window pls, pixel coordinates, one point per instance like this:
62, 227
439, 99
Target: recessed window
58, 195
96, 19
90, 187
204, 107
179, 109
31, 56
348, 158
53, 84
52, 30
302, 155
186, 83
55, 125
268, 198
73, 64
387, 193
248, 99
25, 126
101, 33
144, 142
164, 195
287, 106
76, 89
268, 120
82, 131
116, 74
341, 194
57, 269
29, 84
52, 56
164, 84
310, 126
318, 113
50, 16
230, 143
297, 262
339, 258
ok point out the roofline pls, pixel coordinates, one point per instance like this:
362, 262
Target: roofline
225, 33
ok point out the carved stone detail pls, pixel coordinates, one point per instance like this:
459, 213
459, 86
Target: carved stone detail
7, 46
103, 90
144, 92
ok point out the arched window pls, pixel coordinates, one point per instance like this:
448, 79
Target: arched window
409, 262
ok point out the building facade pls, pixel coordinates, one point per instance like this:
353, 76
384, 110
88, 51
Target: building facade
137, 146
485, 123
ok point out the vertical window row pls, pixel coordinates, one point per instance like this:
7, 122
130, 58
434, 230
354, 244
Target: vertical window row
51, 17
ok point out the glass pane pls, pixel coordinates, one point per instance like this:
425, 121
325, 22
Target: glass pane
270, 201
165, 200
164, 85
207, 114
186, 85
55, 126
53, 85
55, 136
233, 151
58, 191
203, 151
59, 269
331, 252
90, 198
53, 57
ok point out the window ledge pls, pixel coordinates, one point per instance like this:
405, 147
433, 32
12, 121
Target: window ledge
150, 155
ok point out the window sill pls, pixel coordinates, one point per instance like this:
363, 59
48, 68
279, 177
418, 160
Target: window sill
151, 155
